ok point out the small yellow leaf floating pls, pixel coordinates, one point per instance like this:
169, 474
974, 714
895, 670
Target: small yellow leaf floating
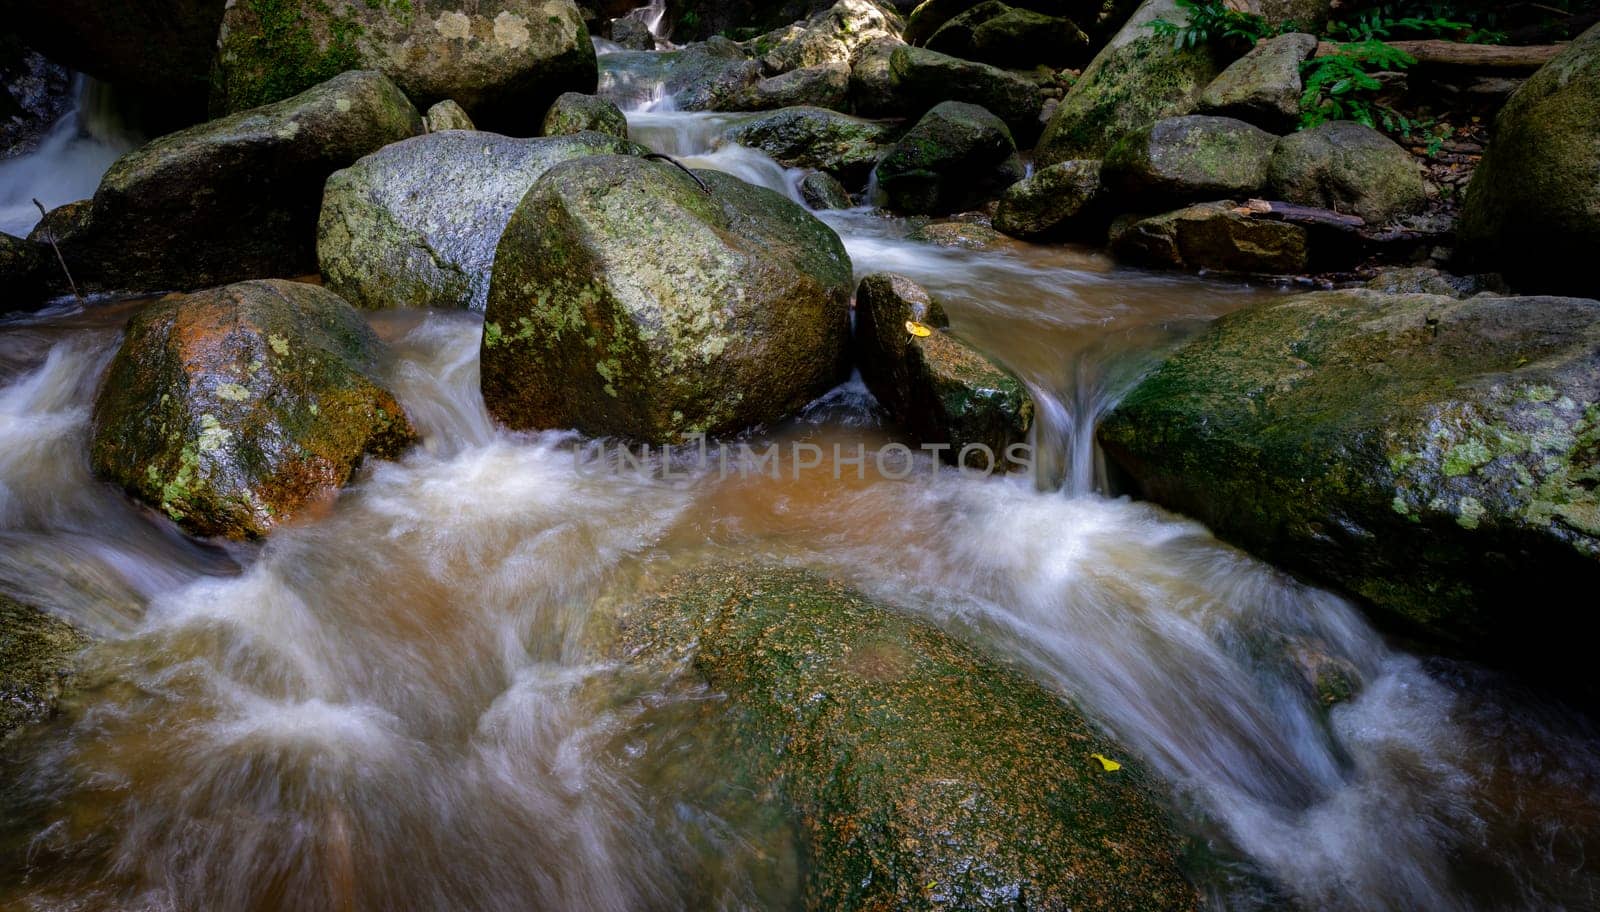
1109, 764
917, 329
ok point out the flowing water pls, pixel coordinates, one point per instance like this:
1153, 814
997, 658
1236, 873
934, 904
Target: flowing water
71, 157
407, 701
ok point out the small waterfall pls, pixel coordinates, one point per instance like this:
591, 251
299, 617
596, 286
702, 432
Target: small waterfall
68, 164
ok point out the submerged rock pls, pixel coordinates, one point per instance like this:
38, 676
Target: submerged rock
575, 113
938, 387
919, 774
1213, 236
416, 223
1436, 457
235, 198
1001, 35
447, 115
236, 409
921, 79
1063, 199
37, 657
1186, 159
1347, 167
808, 137
1264, 86
958, 156
629, 301
504, 61
1135, 80
1533, 207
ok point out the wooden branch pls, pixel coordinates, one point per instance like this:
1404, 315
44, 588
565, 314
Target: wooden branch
1433, 52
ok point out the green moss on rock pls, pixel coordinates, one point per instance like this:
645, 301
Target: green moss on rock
37, 652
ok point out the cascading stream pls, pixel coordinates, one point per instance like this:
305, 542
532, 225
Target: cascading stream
70, 159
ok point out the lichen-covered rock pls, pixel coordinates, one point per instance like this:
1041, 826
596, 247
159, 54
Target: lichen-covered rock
629, 301
447, 115
1135, 80
826, 85
1213, 236
921, 79
575, 113
963, 234
1002, 35
504, 61
958, 156
37, 651
919, 774
1347, 167
236, 198
1533, 207
1436, 457
416, 223
833, 35
1264, 86
1184, 159
808, 137
235, 409
935, 385
821, 190
872, 82
1063, 199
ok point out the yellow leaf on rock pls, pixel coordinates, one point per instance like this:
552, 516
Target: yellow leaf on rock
1107, 763
917, 329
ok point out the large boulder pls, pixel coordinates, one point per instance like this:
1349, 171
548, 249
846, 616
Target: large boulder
936, 386
37, 652
1213, 236
995, 33
1135, 80
235, 198
630, 300
921, 78
833, 35
808, 137
416, 223
504, 61
1533, 207
826, 85
958, 156
872, 80
236, 409
1347, 167
575, 113
1436, 457
918, 773
1062, 200
1264, 86
1182, 159
699, 20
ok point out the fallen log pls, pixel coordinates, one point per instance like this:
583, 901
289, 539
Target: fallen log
1433, 52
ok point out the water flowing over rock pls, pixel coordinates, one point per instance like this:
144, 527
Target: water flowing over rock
1135, 80
231, 199
628, 300
1533, 207
1436, 457
920, 774
416, 223
1212, 236
1264, 86
922, 78
1347, 167
36, 663
447, 115
807, 137
504, 61
1064, 199
239, 408
1185, 159
574, 113
958, 156
938, 387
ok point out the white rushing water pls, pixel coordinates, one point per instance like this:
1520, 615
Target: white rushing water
69, 162
407, 702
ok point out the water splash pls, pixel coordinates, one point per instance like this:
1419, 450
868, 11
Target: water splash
70, 159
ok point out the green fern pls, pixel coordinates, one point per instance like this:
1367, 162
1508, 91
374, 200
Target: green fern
1210, 22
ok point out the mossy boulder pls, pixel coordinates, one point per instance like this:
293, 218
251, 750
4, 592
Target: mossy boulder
447, 115
1436, 457
504, 61
627, 300
872, 82
1061, 200
833, 35
964, 234
1002, 35
37, 653
1533, 206
809, 137
416, 224
1264, 86
826, 85
1190, 158
1135, 80
938, 387
236, 409
958, 156
576, 113
921, 79
235, 198
920, 774
1347, 167
821, 190
1212, 236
